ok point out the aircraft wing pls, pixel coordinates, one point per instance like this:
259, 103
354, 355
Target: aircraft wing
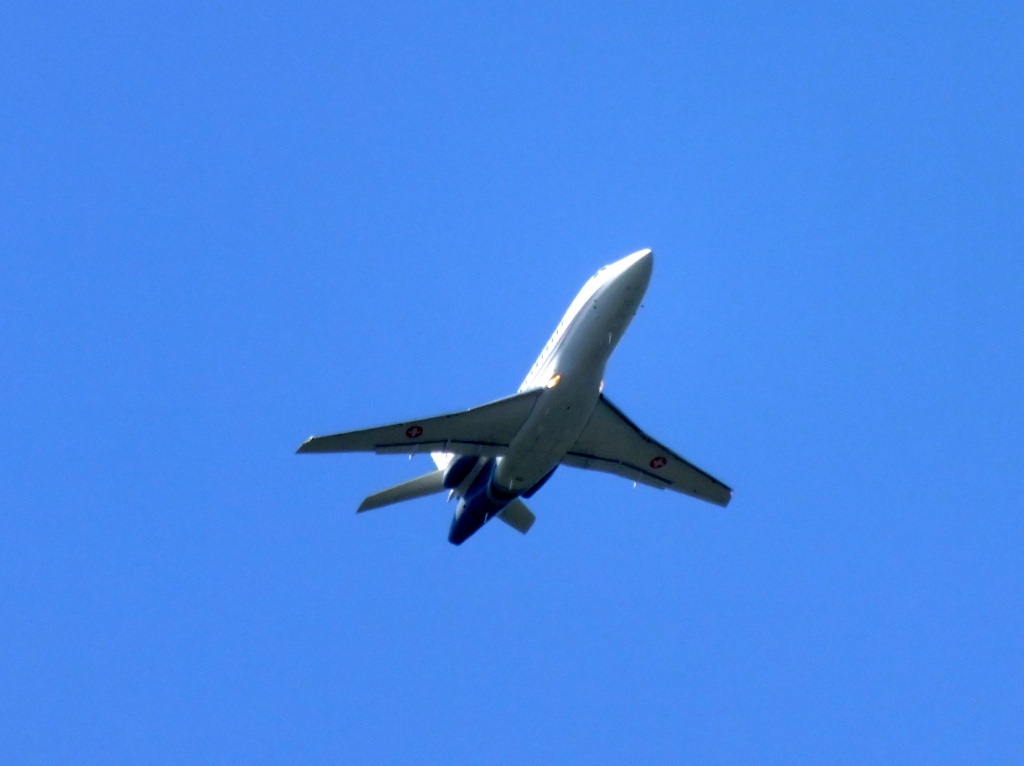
612, 443
485, 430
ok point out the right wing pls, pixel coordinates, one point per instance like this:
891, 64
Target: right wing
611, 442
485, 430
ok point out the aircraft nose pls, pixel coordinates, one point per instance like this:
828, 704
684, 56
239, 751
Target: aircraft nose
638, 263
644, 261
633, 270
639, 266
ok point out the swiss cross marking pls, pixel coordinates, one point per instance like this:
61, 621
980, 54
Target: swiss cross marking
658, 462
414, 432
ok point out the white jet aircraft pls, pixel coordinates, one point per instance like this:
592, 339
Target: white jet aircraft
492, 455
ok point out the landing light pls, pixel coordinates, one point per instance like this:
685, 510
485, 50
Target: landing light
554, 381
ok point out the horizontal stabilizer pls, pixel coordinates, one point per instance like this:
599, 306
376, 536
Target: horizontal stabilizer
518, 516
428, 484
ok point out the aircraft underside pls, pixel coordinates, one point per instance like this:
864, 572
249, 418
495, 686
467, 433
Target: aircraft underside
491, 456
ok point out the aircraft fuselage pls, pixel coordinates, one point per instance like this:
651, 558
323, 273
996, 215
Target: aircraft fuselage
570, 370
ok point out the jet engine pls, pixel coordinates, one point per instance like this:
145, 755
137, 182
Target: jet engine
459, 469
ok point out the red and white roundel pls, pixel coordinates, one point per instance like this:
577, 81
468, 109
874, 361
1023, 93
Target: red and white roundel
658, 462
414, 432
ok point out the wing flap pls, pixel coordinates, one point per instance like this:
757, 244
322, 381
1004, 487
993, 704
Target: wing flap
451, 446
612, 443
484, 430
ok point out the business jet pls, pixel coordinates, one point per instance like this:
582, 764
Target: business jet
491, 457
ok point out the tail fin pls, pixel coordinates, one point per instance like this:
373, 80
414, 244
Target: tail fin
428, 484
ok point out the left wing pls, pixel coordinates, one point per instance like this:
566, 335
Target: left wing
612, 443
484, 430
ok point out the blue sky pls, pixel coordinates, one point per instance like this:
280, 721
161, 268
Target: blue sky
226, 227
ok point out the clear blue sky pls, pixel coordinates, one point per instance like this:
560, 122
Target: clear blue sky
224, 227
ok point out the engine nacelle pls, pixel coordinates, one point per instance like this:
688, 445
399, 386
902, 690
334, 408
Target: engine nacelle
482, 501
457, 472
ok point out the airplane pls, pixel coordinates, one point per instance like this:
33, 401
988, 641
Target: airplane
492, 456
